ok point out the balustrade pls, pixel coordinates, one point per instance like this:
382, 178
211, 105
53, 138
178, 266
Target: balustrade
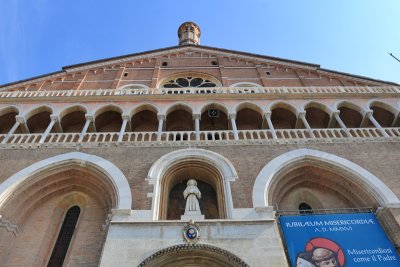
204, 136
211, 90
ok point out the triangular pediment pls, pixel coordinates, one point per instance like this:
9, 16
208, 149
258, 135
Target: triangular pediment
193, 57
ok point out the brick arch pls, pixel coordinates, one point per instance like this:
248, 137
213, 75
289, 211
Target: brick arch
219, 165
213, 79
263, 186
107, 170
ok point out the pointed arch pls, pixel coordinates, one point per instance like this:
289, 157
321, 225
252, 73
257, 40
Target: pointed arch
110, 172
267, 176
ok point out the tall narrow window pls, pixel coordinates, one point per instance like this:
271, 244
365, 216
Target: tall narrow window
64, 237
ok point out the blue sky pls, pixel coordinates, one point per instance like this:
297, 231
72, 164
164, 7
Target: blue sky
354, 36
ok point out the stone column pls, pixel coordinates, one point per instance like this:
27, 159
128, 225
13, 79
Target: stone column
370, 116
335, 114
89, 119
232, 116
125, 120
13, 129
302, 116
161, 119
53, 120
196, 118
267, 116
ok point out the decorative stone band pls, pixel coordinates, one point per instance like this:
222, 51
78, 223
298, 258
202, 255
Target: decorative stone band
10, 227
174, 251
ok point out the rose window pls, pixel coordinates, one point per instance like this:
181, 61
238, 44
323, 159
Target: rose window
189, 82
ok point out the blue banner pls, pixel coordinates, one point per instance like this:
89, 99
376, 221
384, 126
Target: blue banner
337, 240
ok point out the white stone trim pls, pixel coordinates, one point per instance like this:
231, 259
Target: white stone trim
262, 186
158, 169
115, 176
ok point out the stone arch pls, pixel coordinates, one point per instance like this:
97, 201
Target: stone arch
144, 106
36, 110
283, 115
219, 122
317, 114
284, 105
220, 165
7, 118
76, 107
108, 107
178, 106
249, 116
263, 186
143, 118
217, 105
350, 105
384, 113
72, 118
38, 118
319, 105
203, 254
8, 109
122, 193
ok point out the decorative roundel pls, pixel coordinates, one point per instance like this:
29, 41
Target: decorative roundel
191, 232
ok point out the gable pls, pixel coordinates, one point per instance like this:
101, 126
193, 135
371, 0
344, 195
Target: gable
150, 68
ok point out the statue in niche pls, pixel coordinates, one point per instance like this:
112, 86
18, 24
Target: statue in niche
192, 195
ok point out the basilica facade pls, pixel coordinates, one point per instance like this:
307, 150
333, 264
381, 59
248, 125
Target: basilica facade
95, 158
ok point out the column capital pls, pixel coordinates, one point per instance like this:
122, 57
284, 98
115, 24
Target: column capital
125, 117
301, 114
196, 116
54, 117
20, 119
232, 116
369, 113
89, 117
161, 117
267, 114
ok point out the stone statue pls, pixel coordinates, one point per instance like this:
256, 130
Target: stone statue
192, 195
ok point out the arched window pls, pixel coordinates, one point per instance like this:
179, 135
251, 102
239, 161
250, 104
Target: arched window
64, 237
305, 209
189, 81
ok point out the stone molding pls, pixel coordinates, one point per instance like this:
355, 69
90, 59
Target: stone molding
174, 250
114, 175
266, 177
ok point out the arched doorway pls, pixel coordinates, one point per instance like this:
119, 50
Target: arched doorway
197, 255
38, 200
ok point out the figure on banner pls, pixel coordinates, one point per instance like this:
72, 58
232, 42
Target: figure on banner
321, 252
